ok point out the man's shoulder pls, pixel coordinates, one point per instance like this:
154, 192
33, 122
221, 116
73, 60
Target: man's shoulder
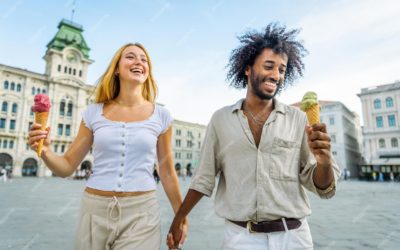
293, 112
223, 112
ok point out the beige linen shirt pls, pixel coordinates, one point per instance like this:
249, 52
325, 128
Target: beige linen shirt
263, 183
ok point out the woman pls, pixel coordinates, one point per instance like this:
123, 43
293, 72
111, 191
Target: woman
119, 209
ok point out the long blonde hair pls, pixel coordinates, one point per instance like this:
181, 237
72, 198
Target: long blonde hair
108, 86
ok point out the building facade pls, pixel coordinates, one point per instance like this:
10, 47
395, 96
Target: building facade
64, 81
187, 140
381, 131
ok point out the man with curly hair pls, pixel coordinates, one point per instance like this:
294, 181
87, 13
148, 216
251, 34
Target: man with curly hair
264, 152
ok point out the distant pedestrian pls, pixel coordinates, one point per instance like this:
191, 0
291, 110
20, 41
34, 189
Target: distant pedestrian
4, 174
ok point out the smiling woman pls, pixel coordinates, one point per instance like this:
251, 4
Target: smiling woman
128, 131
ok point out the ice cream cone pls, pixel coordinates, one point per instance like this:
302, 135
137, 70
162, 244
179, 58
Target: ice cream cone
313, 114
41, 118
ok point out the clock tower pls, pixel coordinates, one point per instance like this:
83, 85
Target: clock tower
67, 56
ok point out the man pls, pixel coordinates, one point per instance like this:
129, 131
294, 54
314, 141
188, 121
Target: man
264, 152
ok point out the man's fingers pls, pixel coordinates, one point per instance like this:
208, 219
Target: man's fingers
320, 145
317, 135
319, 127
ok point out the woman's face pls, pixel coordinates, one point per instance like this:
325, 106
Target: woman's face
133, 67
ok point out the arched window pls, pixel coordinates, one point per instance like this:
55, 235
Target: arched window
69, 71
69, 111
6, 84
65, 69
43, 91
37, 91
382, 143
19, 87
14, 108
4, 106
12, 86
389, 102
33, 91
59, 68
80, 73
394, 143
62, 107
74, 72
377, 104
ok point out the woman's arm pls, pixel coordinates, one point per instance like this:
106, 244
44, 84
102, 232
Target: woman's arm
168, 176
66, 164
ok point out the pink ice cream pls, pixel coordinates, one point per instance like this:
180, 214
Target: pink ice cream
42, 103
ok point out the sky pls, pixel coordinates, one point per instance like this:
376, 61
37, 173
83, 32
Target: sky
352, 44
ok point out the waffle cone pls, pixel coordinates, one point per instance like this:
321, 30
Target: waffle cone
41, 118
313, 115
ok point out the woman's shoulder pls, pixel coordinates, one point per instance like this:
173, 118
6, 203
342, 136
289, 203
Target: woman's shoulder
161, 110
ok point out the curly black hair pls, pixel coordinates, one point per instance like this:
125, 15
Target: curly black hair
275, 37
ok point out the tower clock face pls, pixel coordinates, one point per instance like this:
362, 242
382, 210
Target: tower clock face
71, 57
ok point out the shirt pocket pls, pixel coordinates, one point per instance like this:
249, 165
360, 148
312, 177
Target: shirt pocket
285, 156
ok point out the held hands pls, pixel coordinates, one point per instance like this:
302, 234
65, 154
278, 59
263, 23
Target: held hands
319, 142
177, 232
35, 135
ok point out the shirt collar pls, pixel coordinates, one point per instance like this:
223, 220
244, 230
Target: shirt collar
279, 107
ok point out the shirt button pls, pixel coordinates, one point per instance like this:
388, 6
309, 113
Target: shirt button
122, 164
123, 154
123, 125
120, 175
119, 185
123, 135
123, 144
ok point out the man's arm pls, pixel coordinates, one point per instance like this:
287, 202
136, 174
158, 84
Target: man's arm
175, 231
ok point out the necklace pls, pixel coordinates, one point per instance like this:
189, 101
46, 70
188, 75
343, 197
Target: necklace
128, 106
253, 117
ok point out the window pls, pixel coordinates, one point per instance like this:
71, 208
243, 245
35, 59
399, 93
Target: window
14, 108
189, 155
12, 124
74, 72
33, 90
62, 148
6, 84
382, 143
59, 68
189, 134
62, 107
331, 121
4, 106
389, 102
26, 146
69, 111
178, 132
2, 123
43, 91
37, 91
31, 112
391, 121
334, 153
19, 87
189, 144
67, 130
65, 69
60, 129
199, 145
177, 155
11, 145
12, 86
394, 143
178, 143
69, 71
30, 125
379, 122
80, 73
377, 104
199, 135
333, 138
5, 144
55, 148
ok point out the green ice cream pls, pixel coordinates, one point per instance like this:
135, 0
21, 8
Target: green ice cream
309, 100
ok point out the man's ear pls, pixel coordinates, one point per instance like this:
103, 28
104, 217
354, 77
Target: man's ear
247, 71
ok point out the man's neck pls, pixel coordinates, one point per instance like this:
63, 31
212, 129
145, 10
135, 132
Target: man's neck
258, 105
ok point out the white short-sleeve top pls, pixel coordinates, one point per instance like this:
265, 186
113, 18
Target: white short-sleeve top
124, 152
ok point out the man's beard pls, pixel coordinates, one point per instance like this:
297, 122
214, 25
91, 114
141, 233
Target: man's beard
257, 81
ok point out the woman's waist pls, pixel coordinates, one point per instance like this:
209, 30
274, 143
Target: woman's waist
107, 193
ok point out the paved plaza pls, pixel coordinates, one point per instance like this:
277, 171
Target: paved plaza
41, 213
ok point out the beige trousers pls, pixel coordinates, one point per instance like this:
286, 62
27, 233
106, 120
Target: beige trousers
119, 223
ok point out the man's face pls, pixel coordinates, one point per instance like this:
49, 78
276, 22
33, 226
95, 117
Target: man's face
267, 74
